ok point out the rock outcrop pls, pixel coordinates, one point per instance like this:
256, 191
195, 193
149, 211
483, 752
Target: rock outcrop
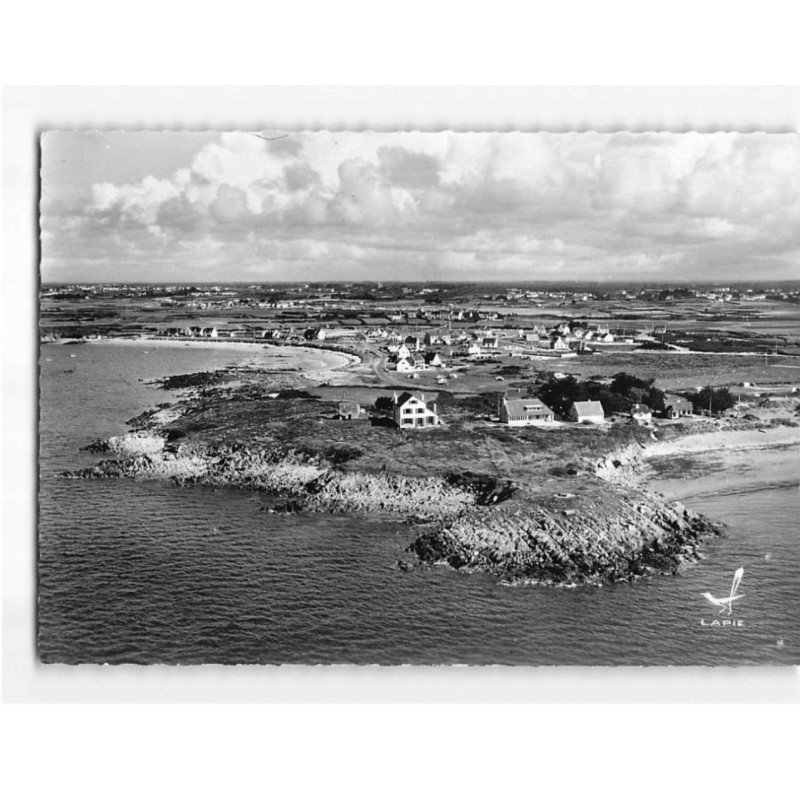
307, 482
624, 540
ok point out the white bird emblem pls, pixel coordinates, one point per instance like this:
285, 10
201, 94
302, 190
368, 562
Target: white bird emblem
726, 603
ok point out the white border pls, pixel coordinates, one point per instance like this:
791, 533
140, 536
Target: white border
30, 110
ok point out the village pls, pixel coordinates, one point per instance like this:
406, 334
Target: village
430, 356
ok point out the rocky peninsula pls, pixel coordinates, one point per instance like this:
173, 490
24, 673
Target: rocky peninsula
559, 507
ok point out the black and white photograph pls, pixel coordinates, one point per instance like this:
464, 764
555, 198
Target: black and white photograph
404, 397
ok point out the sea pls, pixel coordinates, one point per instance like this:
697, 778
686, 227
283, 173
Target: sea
143, 572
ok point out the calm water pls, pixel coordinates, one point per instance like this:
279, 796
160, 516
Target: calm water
143, 572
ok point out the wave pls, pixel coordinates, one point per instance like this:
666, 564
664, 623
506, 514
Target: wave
737, 491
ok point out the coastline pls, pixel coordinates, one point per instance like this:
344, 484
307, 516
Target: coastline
608, 532
334, 361
724, 442
740, 462
527, 508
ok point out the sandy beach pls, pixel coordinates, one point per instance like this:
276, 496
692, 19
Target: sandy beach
724, 462
720, 442
315, 363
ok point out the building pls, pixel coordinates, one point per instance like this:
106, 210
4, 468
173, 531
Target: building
411, 411
676, 406
350, 410
587, 411
559, 343
524, 411
642, 412
408, 364
433, 360
340, 333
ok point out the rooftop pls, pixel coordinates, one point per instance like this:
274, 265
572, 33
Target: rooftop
589, 407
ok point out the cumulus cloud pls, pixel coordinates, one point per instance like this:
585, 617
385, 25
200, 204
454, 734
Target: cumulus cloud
486, 205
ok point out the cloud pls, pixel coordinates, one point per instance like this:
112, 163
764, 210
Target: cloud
494, 205
229, 204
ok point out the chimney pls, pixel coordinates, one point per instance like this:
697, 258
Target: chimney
422, 397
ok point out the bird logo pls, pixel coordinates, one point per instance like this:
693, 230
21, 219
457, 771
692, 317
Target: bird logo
726, 603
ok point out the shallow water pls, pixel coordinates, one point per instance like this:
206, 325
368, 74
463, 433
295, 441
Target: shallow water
134, 571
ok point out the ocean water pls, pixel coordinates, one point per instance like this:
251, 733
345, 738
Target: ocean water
143, 572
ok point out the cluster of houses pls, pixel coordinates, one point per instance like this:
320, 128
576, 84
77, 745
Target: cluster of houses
193, 331
412, 410
407, 358
566, 339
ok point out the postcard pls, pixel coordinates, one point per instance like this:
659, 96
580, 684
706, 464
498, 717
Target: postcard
426, 398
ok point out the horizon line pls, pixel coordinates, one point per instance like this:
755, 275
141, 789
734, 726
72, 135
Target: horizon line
732, 281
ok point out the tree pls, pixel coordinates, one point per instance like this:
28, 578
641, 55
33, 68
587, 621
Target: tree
626, 384
384, 405
717, 400
616, 397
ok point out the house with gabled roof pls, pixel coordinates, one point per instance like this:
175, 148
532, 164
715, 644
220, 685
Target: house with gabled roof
402, 351
586, 411
407, 364
433, 360
349, 409
524, 411
410, 410
676, 406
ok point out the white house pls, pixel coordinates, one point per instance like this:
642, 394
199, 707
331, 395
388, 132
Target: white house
407, 364
676, 406
524, 411
433, 360
411, 411
587, 411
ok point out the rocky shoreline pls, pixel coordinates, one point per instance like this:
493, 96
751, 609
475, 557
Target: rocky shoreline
630, 539
469, 522
300, 481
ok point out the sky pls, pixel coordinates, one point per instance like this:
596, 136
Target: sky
183, 207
